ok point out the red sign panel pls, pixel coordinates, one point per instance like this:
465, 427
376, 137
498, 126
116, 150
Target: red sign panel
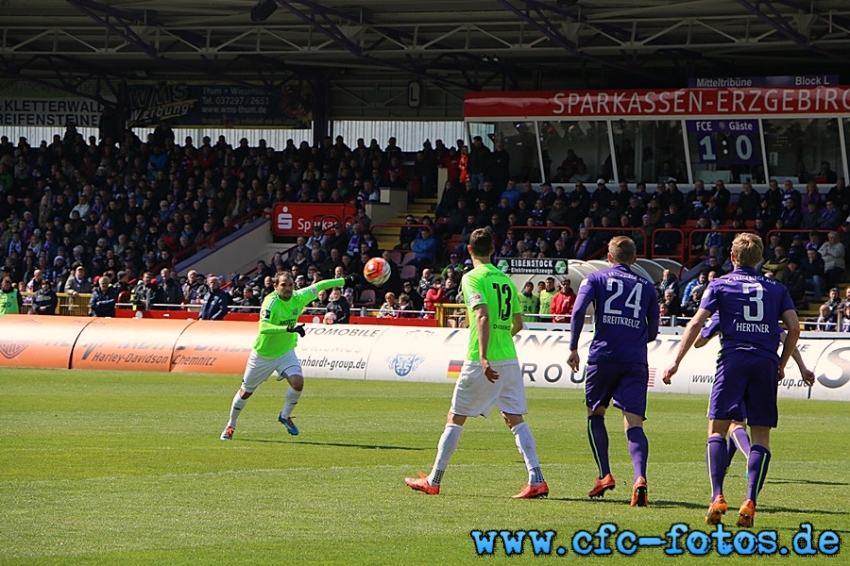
602, 104
297, 219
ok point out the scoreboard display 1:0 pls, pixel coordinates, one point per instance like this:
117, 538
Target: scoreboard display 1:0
726, 142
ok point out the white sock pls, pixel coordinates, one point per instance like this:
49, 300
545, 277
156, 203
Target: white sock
236, 409
445, 449
528, 449
292, 397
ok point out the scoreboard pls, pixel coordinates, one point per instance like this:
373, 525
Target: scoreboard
725, 142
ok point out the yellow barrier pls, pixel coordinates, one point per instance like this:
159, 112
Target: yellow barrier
451, 315
66, 305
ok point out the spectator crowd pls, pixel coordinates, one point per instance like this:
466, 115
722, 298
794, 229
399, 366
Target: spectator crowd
111, 217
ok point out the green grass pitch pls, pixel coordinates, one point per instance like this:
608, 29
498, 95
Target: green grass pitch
127, 468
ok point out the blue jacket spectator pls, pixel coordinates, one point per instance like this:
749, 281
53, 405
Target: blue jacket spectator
216, 302
103, 299
426, 247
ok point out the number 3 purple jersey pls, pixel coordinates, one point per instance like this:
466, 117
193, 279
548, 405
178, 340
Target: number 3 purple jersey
749, 307
625, 315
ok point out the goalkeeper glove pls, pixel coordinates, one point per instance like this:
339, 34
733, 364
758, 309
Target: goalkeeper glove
351, 279
298, 329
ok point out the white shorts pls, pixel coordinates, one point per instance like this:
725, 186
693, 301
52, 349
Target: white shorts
474, 395
259, 368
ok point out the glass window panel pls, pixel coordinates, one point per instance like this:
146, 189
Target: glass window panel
518, 139
726, 150
650, 150
799, 148
576, 150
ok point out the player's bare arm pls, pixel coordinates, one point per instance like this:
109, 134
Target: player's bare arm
688, 338
482, 322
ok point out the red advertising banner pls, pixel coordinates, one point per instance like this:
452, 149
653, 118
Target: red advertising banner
603, 104
297, 219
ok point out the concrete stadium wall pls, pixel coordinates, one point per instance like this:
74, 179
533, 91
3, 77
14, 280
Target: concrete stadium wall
391, 353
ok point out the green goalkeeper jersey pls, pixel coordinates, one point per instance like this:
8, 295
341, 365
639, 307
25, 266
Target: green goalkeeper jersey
487, 285
276, 315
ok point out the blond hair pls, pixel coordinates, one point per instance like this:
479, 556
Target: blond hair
622, 249
747, 249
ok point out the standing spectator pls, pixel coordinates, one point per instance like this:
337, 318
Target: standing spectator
195, 289
144, 295
546, 295
170, 292
479, 163
103, 299
44, 301
529, 302
562, 302
216, 301
435, 295
78, 282
813, 268
832, 252
794, 279
11, 301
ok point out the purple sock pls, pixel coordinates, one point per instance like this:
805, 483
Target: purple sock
757, 463
716, 456
730, 450
639, 450
597, 434
741, 440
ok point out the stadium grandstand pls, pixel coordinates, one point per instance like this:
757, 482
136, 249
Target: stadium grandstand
168, 167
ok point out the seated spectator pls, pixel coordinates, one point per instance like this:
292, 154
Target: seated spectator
826, 320
426, 248
319, 305
338, 308
672, 301
668, 281
405, 307
691, 305
390, 307
844, 324
776, 263
413, 296
248, 302
44, 300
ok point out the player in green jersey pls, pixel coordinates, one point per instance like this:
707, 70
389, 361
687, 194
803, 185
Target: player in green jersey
274, 348
491, 372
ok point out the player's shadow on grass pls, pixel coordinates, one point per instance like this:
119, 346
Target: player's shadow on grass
337, 444
780, 509
805, 482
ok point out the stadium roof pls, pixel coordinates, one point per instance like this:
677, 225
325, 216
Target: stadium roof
468, 44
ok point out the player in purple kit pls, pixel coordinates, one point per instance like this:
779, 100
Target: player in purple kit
749, 307
625, 319
739, 440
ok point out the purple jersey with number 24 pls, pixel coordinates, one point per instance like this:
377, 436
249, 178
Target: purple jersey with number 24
625, 315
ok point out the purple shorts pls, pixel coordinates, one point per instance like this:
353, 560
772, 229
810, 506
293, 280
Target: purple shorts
745, 388
625, 383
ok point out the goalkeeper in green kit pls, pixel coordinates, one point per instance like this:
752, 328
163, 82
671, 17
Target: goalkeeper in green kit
274, 348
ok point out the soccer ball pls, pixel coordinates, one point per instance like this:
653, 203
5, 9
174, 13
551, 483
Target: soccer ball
377, 271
